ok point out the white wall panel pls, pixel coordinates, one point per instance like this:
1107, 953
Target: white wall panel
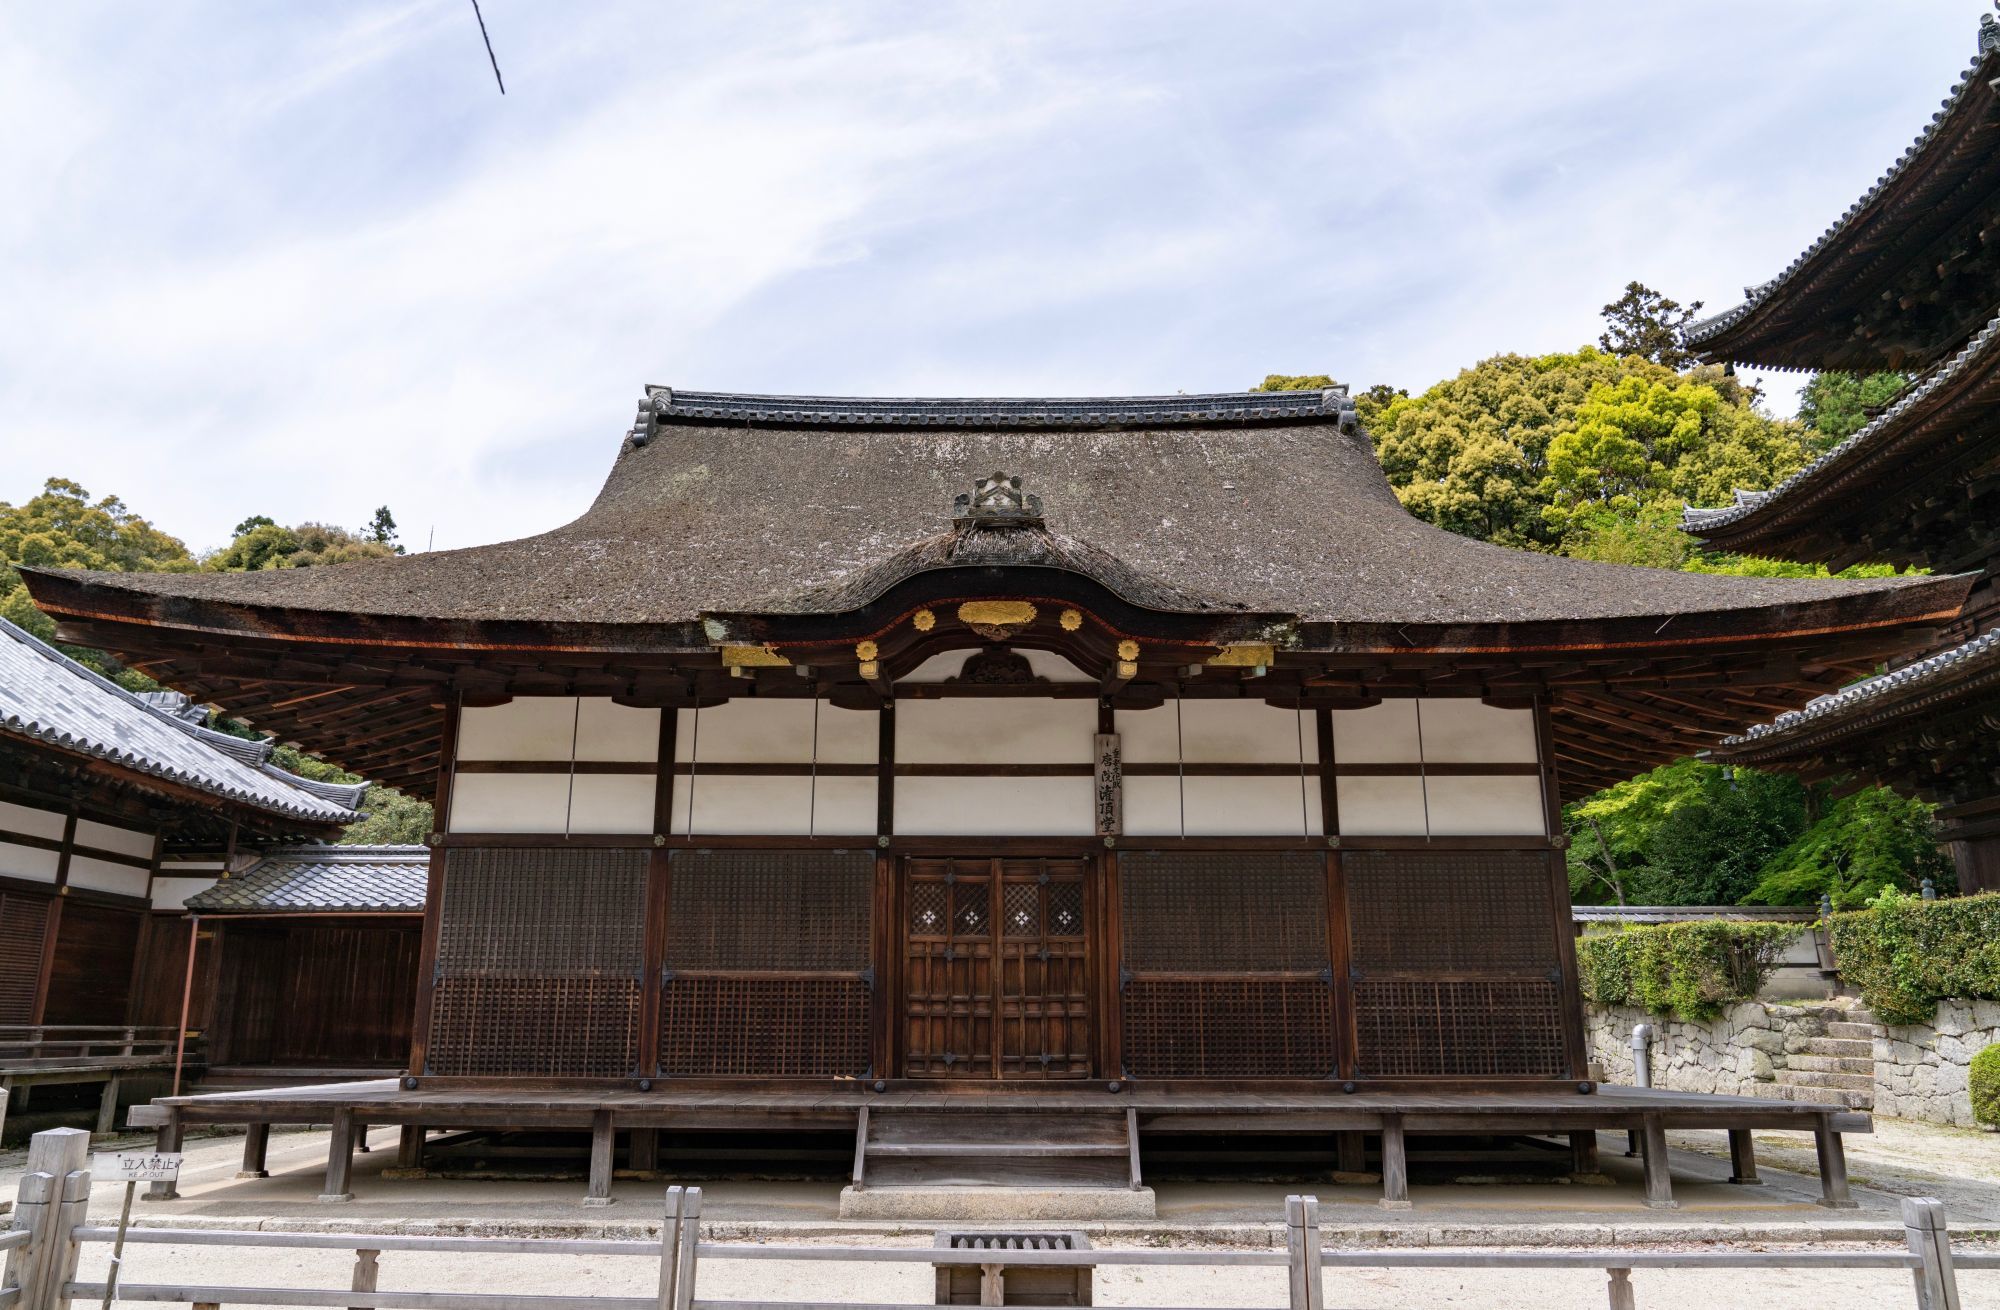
509, 802
950, 664
775, 732
985, 730
612, 802
607, 730
1379, 734
173, 893
125, 841
1152, 807
27, 862
945, 664
1251, 807
1381, 807
984, 806
1147, 736
525, 728
1048, 664
1245, 732
1464, 731
1493, 806
31, 821
104, 876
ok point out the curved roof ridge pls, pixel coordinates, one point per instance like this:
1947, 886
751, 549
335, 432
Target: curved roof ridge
1913, 678
1854, 446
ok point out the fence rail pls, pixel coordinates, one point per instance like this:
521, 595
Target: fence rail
44, 1247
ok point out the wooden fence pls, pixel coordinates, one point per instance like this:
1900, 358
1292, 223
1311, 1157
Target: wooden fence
44, 1248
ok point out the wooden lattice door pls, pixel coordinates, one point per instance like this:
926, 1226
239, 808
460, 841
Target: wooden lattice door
995, 969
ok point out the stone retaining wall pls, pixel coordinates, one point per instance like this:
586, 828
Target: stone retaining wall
1921, 1070
1737, 1053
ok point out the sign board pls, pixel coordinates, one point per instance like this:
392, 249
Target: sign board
135, 1167
1110, 784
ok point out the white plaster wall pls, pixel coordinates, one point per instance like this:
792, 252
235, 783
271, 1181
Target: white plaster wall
126, 841
1381, 807
775, 731
1506, 805
546, 802
1251, 807
782, 806
612, 802
27, 862
173, 893
992, 730
1379, 734
951, 664
31, 821
607, 730
104, 876
525, 728
1462, 731
927, 807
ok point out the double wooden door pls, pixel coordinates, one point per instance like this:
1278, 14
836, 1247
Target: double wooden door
996, 969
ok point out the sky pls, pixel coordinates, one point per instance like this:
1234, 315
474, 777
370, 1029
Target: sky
305, 260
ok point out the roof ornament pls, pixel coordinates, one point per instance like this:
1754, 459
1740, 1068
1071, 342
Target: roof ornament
655, 404
997, 502
1989, 32
1336, 399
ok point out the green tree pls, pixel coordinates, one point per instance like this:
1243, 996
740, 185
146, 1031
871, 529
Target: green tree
1368, 402
63, 528
1835, 406
389, 817
262, 544
381, 530
1685, 833
1865, 842
1645, 323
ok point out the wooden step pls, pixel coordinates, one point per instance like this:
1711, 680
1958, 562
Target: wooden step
994, 1148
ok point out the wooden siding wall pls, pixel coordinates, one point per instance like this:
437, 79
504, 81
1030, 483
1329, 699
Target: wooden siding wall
319, 993
163, 972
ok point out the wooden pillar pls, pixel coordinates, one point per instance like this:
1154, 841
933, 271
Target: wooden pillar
1833, 1192
168, 1142
107, 1107
340, 1158
1350, 1153
1395, 1165
256, 1145
1653, 1151
643, 1152
361, 1137
1583, 1152
602, 1139
427, 953
1742, 1157
410, 1147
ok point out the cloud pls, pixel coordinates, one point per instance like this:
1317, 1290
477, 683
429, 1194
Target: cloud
311, 262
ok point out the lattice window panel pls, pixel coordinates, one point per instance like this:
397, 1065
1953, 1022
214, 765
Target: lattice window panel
1223, 911
930, 912
1465, 1029
24, 919
543, 913
791, 911
765, 1027
1228, 1028
1450, 911
485, 1026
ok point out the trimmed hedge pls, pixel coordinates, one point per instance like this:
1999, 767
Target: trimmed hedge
1986, 1085
1906, 954
1688, 969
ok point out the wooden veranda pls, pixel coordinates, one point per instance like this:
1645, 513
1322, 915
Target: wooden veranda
1018, 1123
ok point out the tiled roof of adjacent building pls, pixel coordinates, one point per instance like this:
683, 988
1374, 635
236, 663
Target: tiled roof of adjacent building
1896, 692
47, 697
324, 880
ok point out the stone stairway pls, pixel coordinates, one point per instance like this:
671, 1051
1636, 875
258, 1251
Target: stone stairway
1837, 1069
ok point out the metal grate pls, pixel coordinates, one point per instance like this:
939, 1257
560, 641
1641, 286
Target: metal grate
1450, 911
1223, 911
765, 1027
1229, 1028
539, 956
526, 1027
24, 921
1466, 1029
791, 911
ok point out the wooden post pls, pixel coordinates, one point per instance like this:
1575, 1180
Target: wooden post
256, 1145
62, 1157
410, 1147
858, 1180
1833, 1193
1132, 1146
1620, 1290
167, 1142
1395, 1165
361, 1138
1295, 1259
340, 1158
367, 1269
1583, 1152
670, 1244
1653, 1152
602, 1140
1742, 1158
1929, 1239
688, 1250
1350, 1152
34, 1212
107, 1104
645, 1150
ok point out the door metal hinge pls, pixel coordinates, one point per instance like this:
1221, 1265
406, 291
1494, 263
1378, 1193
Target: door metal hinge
868, 977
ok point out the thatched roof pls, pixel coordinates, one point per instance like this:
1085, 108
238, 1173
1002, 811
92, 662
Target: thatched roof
1271, 503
